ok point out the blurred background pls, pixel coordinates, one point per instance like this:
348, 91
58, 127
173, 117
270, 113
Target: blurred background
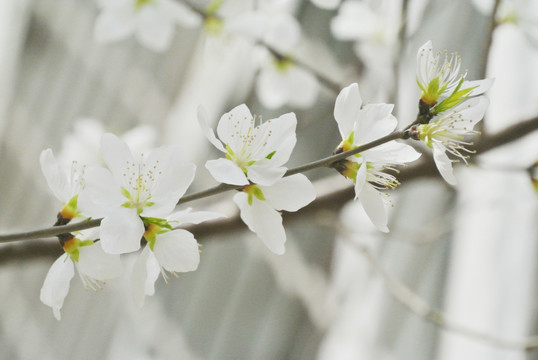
454, 279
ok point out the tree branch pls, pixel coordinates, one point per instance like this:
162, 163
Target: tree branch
420, 307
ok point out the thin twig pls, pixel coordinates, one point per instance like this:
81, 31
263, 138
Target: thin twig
420, 307
325, 162
323, 78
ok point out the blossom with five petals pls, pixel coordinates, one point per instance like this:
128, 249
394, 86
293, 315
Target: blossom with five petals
446, 133
168, 249
131, 189
93, 265
152, 21
254, 152
360, 125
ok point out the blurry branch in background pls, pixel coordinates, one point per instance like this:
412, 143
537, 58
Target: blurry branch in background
483, 66
323, 78
417, 305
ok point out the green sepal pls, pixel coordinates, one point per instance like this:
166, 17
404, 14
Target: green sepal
74, 255
454, 99
141, 3
126, 193
162, 223
213, 7
269, 156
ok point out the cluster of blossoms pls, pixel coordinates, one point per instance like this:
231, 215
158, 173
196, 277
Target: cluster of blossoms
136, 195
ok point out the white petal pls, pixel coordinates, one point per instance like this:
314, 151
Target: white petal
326, 4
234, 125
145, 272
424, 54
444, 164
56, 284
373, 205
189, 217
264, 175
208, 132
360, 180
171, 182
140, 139
226, 171
101, 193
118, 158
303, 87
55, 176
112, 26
284, 33
97, 264
346, 109
392, 152
271, 88
290, 193
472, 110
121, 231
155, 29
480, 86
375, 121
182, 14
355, 20
177, 251
265, 221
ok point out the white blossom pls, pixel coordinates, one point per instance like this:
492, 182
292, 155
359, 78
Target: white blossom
360, 125
151, 21
93, 265
172, 250
131, 188
253, 150
438, 76
447, 132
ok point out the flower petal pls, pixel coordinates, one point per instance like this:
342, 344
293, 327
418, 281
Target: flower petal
208, 132
56, 284
171, 182
181, 13
392, 152
443, 163
55, 176
265, 221
264, 175
97, 264
155, 29
346, 109
480, 86
188, 216
234, 125
290, 193
146, 270
177, 251
101, 193
118, 158
360, 180
121, 231
113, 25
372, 203
226, 171
303, 87
374, 121
355, 21
326, 4
271, 87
